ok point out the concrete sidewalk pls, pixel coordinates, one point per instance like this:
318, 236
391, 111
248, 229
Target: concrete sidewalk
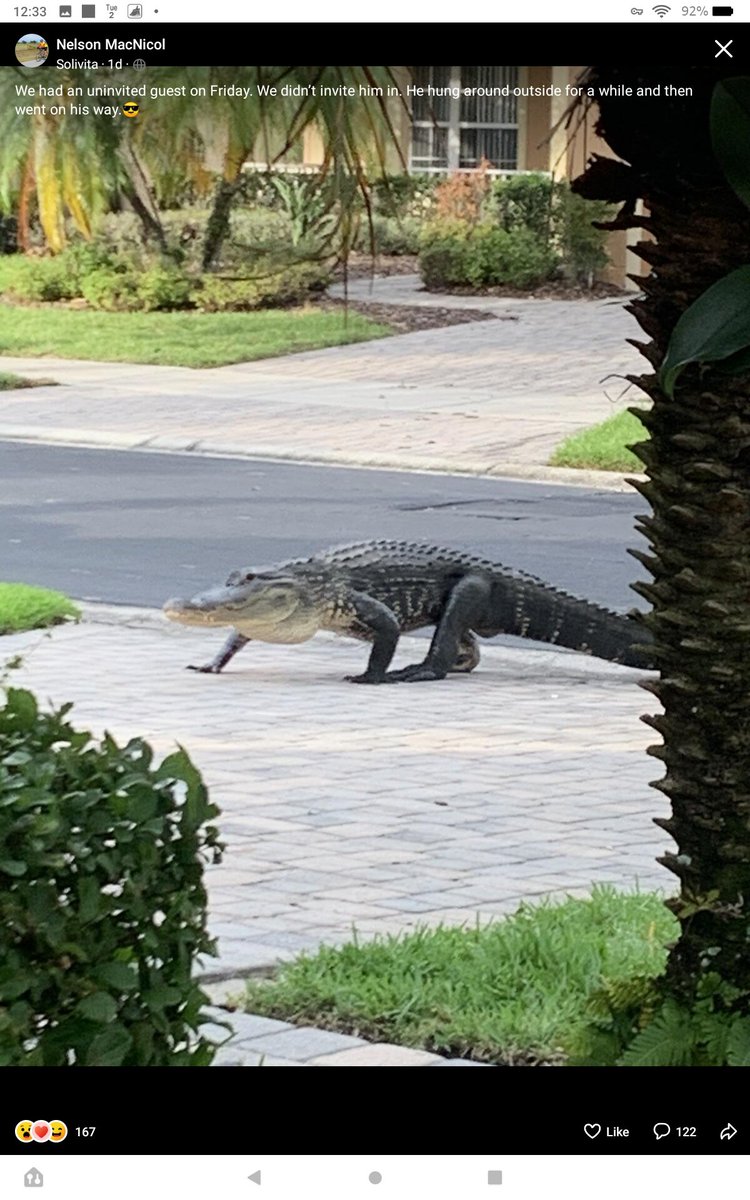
381, 808
493, 396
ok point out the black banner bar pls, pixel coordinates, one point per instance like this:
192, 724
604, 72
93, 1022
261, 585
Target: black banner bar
195, 45
417, 1110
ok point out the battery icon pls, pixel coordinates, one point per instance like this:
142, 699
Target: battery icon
722, 11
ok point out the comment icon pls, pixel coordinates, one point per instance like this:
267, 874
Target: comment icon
662, 1130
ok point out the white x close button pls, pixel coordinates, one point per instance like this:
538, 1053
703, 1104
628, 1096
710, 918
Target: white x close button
723, 49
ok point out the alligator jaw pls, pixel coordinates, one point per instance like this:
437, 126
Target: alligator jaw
187, 613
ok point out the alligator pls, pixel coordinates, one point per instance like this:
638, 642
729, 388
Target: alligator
375, 591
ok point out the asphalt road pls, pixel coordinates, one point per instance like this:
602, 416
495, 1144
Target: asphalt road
134, 528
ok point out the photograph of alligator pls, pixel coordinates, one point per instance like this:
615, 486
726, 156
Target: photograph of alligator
375, 591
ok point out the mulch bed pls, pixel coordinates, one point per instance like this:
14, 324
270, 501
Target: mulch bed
556, 289
413, 318
404, 318
363, 266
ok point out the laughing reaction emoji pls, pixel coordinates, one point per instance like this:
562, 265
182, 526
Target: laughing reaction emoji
130, 108
58, 1131
23, 1131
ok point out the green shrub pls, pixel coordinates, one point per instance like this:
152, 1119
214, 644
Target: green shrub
561, 218
390, 235
304, 202
404, 196
122, 233
519, 259
522, 202
256, 190
582, 248
38, 279
272, 290
112, 289
102, 901
442, 259
485, 256
164, 287
26, 607
81, 258
531, 228
256, 232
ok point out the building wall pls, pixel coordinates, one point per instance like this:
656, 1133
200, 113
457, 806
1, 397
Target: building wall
538, 122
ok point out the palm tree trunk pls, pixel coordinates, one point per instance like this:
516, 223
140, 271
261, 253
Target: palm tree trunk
698, 467
138, 193
28, 184
217, 226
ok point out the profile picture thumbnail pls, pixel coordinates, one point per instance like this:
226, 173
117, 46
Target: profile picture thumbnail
31, 50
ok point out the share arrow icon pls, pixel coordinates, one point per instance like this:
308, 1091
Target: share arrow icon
255, 1177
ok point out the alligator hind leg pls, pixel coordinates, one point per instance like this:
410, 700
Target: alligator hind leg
468, 655
453, 646
234, 642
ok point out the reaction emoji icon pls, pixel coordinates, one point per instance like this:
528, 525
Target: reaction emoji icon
23, 1131
130, 108
40, 1131
58, 1131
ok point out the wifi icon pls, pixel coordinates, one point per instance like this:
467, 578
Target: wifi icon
661, 10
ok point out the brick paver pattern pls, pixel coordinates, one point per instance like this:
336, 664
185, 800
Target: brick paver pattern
480, 397
382, 807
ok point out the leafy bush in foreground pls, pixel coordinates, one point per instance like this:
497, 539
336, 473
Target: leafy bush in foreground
102, 901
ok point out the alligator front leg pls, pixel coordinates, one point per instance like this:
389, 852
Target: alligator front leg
453, 646
234, 642
375, 622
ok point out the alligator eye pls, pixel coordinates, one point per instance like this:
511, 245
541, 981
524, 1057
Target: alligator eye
238, 577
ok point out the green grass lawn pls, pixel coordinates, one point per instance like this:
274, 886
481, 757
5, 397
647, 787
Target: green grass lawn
512, 992
184, 339
603, 446
25, 607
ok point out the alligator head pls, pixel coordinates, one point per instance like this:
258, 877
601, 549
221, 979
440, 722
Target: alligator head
264, 608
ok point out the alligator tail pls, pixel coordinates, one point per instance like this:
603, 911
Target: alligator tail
529, 608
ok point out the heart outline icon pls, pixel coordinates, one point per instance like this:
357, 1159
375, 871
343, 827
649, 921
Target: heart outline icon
592, 1131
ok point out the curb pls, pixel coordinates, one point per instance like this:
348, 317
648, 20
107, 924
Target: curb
265, 1041
614, 481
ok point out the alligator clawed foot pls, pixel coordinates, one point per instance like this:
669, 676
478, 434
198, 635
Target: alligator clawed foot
418, 673
207, 669
365, 678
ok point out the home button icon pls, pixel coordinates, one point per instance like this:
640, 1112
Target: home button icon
33, 1178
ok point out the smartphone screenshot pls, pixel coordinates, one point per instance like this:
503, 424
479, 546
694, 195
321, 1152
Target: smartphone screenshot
374, 636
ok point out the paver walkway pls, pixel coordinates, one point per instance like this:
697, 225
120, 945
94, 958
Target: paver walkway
490, 396
382, 807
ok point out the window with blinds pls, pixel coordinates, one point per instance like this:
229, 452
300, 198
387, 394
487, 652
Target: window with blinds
451, 130
488, 124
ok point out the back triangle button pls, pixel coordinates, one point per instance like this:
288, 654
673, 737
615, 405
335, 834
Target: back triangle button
255, 1177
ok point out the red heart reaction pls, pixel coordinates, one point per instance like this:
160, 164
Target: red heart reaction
40, 1131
